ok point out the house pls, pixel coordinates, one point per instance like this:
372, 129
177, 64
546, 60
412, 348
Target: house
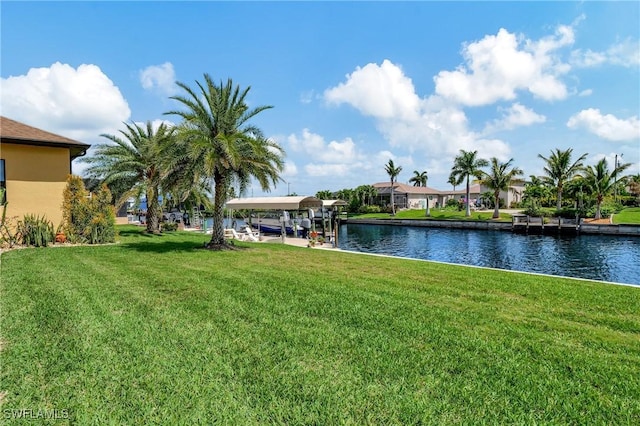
407, 196
415, 197
34, 166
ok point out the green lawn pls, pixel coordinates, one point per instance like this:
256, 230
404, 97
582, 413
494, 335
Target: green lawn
155, 330
440, 214
628, 215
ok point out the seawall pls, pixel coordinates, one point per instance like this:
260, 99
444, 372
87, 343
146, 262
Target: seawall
626, 230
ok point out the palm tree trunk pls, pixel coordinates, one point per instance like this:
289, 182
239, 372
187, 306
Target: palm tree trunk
559, 203
393, 204
217, 233
496, 209
468, 213
598, 205
153, 227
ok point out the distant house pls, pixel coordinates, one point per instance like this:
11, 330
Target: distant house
407, 196
34, 166
415, 197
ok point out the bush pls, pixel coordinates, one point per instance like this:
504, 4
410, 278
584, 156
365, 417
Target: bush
568, 213
169, 226
452, 202
369, 209
88, 220
35, 231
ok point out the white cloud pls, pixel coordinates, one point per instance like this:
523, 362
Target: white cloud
315, 146
381, 91
160, 78
625, 53
432, 125
496, 67
77, 103
586, 92
606, 126
516, 115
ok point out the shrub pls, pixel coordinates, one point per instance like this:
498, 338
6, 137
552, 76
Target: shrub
169, 226
88, 219
452, 202
568, 213
369, 209
76, 213
36, 231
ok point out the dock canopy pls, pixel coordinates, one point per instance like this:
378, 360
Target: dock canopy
333, 203
275, 203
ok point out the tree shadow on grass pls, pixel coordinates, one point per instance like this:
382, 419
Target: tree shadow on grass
161, 246
137, 239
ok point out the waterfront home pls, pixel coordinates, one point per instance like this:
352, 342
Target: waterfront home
34, 166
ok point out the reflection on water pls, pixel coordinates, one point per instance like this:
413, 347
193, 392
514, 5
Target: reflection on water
598, 257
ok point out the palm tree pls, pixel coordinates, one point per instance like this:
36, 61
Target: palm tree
560, 169
223, 147
393, 173
324, 194
135, 163
500, 177
633, 182
452, 182
535, 190
465, 165
419, 178
600, 181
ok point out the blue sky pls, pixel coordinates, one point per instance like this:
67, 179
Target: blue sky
353, 84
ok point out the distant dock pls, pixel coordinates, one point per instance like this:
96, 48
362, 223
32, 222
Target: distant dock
524, 224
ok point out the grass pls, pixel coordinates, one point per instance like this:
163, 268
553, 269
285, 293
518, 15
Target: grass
628, 215
439, 214
155, 330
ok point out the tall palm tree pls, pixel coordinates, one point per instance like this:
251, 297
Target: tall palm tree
393, 173
223, 146
560, 169
465, 165
134, 162
599, 181
500, 177
419, 178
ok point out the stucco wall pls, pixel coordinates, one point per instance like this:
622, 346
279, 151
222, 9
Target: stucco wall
36, 177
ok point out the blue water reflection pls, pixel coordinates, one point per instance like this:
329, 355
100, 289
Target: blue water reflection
598, 257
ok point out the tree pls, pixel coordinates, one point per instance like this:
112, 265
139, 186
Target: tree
134, 162
419, 178
559, 169
633, 182
324, 194
500, 177
393, 173
452, 182
535, 190
465, 165
599, 181
223, 147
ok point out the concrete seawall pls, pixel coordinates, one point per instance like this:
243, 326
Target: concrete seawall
627, 230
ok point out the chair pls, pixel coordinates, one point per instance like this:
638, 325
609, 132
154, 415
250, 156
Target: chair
251, 235
233, 234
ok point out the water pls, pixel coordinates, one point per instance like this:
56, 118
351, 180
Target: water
596, 257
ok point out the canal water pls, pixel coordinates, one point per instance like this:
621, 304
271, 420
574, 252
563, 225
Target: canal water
596, 257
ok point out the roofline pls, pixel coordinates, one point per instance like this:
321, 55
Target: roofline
77, 149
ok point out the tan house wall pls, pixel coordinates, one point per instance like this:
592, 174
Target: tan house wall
36, 177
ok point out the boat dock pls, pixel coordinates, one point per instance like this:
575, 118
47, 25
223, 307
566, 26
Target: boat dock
525, 224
